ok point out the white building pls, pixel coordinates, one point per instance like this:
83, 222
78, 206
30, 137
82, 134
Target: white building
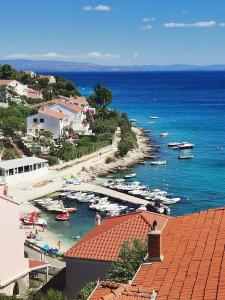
77, 117
14, 267
31, 73
11, 87
51, 79
72, 116
22, 169
48, 120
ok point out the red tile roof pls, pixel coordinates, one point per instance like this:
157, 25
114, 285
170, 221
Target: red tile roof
104, 241
52, 113
66, 104
113, 291
194, 259
5, 81
80, 100
36, 264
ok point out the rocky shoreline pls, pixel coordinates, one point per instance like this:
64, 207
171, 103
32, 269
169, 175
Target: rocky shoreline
143, 152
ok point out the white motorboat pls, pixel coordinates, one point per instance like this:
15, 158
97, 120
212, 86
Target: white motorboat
153, 117
174, 144
186, 156
65, 194
183, 146
130, 175
158, 162
163, 134
168, 201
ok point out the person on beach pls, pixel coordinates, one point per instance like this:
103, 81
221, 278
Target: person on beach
97, 219
59, 245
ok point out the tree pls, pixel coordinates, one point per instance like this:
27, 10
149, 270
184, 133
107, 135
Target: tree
102, 96
131, 256
86, 291
7, 72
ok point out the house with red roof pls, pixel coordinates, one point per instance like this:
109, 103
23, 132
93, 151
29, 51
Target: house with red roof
185, 261
48, 120
90, 259
14, 267
76, 115
11, 90
34, 94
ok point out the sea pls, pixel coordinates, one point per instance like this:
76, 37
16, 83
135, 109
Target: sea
190, 106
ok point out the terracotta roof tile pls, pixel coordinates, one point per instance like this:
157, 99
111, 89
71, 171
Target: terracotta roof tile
5, 81
74, 107
104, 241
194, 260
52, 113
112, 291
36, 263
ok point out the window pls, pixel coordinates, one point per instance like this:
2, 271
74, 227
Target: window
2, 172
38, 166
20, 170
35, 120
34, 166
11, 172
26, 169
31, 168
42, 120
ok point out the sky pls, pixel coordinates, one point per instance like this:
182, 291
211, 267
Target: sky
114, 32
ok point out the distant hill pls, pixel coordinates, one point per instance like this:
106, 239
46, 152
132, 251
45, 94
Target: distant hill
65, 66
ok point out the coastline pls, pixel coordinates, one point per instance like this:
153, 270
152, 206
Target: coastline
89, 170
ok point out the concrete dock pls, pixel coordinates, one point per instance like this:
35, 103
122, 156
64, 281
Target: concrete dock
87, 187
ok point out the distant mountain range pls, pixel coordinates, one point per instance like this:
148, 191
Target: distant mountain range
65, 66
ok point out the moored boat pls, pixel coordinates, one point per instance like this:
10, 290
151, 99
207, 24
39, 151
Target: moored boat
130, 175
158, 162
62, 217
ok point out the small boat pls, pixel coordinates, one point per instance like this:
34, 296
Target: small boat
33, 219
62, 217
183, 146
153, 117
134, 121
186, 156
163, 134
130, 175
158, 162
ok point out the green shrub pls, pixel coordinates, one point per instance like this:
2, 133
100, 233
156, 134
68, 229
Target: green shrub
86, 291
109, 159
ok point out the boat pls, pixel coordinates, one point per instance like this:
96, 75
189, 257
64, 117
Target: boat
134, 121
130, 175
33, 219
62, 217
171, 201
174, 144
158, 162
183, 146
164, 134
186, 156
153, 117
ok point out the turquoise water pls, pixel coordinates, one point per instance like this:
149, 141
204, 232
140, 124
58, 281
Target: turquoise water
191, 107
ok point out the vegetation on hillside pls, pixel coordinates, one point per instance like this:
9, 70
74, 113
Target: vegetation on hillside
49, 90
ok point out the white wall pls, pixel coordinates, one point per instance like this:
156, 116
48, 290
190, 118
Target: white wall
81, 271
50, 124
19, 88
22, 177
12, 261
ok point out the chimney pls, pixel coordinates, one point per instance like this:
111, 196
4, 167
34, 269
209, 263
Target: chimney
155, 244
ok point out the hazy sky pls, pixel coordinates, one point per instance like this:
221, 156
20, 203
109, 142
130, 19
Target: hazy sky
114, 31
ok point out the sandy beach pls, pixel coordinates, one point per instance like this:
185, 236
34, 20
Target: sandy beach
88, 168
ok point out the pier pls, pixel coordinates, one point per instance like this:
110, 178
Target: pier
87, 187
